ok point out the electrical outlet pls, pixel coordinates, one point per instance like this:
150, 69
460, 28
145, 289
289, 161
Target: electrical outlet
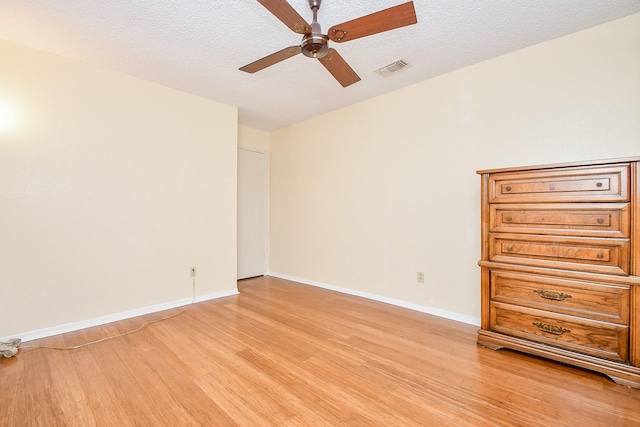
192, 272
420, 277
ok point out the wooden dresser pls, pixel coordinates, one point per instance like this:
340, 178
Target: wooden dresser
561, 264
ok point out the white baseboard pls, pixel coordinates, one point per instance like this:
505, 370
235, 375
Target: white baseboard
75, 326
83, 324
404, 304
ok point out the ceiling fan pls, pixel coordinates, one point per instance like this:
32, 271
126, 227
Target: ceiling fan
316, 45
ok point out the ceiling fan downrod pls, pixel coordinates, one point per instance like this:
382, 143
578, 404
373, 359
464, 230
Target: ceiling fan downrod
315, 44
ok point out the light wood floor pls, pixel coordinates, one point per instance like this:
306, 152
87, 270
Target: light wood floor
286, 354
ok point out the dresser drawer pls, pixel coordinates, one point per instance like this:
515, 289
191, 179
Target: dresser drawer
595, 184
564, 219
601, 339
609, 256
590, 300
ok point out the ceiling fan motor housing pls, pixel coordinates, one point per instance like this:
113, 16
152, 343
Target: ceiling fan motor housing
315, 45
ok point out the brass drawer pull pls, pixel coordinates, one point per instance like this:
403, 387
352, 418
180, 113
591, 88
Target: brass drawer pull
509, 248
599, 184
600, 220
508, 218
552, 329
553, 295
508, 188
600, 256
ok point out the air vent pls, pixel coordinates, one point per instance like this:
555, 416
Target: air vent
393, 67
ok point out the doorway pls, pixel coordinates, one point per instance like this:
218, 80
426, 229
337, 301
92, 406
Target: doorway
252, 213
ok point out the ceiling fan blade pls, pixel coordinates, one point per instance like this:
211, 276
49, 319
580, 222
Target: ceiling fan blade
378, 22
274, 58
287, 14
339, 68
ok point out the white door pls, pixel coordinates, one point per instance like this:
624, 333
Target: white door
252, 213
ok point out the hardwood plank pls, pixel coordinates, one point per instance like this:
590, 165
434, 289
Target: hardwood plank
286, 354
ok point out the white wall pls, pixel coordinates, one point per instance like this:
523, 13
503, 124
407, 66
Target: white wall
110, 189
364, 197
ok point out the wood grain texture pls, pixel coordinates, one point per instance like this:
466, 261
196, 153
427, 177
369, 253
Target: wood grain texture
634, 344
285, 354
584, 219
582, 183
609, 256
269, 60
282, 10
597, 301
560, 165
572, 222
339, 69
377, 22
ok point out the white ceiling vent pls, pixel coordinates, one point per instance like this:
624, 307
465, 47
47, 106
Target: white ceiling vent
393, 67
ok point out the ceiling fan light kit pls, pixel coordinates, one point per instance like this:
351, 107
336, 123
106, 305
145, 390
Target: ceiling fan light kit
315, 44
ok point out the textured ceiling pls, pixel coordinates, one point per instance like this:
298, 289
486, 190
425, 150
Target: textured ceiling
197, 46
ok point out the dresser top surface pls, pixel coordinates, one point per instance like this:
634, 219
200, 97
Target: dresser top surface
562, 165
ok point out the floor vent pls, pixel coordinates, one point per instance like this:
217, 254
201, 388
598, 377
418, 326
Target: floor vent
392, 68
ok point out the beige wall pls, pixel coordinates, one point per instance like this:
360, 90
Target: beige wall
110, 189
364, 197
253, 139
